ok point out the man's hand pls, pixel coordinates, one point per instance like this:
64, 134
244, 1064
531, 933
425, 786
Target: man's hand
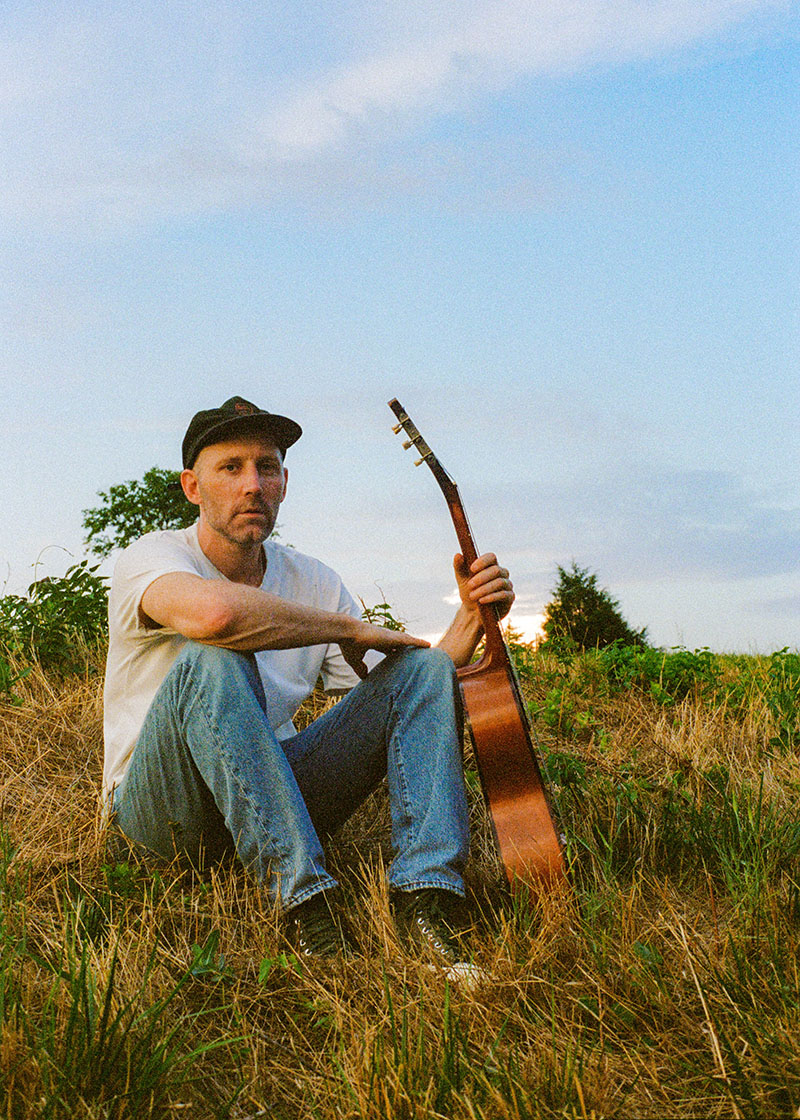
379, 638
483, 583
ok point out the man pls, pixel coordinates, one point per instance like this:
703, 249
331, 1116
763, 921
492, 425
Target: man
217, 634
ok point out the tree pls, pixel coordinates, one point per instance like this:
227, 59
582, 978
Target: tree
130, 509
585, 614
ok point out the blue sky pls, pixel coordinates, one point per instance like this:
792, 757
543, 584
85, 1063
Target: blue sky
565, 236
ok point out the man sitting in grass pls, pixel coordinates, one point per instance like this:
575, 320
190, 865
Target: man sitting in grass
217, 635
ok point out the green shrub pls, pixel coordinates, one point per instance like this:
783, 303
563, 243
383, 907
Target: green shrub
54, 623
783, 698
667, 675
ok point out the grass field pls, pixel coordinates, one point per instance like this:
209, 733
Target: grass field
664, 983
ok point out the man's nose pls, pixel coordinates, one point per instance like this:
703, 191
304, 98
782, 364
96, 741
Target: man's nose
251, 479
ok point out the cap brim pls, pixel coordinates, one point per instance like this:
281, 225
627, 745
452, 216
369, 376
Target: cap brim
280, 429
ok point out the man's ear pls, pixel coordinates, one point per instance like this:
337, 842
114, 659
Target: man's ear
190, 487
285, 482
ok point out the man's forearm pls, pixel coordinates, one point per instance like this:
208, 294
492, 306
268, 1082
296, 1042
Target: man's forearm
256, 620
462, 636
236, 616
243, 618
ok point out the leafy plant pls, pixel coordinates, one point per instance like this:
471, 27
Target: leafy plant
522, 653
209, 964
381, 615
282, 962
9, 677
55, 621
667, 675
783, 698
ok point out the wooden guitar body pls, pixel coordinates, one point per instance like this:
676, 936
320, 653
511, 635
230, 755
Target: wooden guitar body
527, 838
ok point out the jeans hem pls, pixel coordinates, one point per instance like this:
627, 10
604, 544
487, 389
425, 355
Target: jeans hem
427, 884
326, 884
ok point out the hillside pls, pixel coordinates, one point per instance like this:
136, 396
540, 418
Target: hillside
664, 983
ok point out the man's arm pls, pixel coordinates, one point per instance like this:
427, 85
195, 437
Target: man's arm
485, 582
237, 616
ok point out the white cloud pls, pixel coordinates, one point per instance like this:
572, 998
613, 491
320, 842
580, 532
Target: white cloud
128, 114
497, 44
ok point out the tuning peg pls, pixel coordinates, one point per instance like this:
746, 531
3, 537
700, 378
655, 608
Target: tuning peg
408, 443
397, 429
419, 462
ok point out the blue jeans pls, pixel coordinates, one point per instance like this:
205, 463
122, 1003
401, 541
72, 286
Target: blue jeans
208, 773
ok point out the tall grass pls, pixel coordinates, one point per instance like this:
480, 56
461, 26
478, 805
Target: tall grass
663, 982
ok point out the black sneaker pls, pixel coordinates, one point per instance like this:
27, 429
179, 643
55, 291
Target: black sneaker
314, 930
428, 919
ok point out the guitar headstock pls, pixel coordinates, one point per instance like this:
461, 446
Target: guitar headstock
406, 424
450, 490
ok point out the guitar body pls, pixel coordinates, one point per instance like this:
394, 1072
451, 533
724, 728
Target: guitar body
526, 835
527, 838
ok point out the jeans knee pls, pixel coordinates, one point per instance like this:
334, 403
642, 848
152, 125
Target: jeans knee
431, 664
198, 653
439, 661
205, 666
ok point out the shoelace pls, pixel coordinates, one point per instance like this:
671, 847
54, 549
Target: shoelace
317, 932
432, 918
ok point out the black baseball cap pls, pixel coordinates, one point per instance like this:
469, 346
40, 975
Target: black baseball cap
236, 417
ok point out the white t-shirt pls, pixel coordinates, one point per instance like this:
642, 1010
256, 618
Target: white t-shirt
140, 657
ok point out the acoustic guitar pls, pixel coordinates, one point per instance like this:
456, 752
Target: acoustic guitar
525, 831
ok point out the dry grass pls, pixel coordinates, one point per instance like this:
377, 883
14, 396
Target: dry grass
663, 984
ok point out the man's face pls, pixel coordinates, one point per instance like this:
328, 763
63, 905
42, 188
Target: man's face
239, 486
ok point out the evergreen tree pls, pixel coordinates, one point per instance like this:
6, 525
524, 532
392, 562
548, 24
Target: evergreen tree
582, 613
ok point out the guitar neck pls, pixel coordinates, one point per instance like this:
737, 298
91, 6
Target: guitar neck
495, 644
